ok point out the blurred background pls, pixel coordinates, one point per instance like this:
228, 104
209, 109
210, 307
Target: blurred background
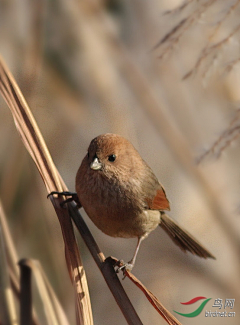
90, 67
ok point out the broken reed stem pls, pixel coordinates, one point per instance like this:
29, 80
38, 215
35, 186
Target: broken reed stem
25, 294
12, 261
105, 267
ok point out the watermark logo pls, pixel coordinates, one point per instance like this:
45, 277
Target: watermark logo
228, 304
218, 303
198, 310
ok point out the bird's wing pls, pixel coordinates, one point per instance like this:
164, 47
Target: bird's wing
159, 201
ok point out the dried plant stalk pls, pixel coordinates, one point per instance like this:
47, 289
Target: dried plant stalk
25, 295
12, 254
7, 307
12, 260
53, 310
169, 318
36, 146
106, 267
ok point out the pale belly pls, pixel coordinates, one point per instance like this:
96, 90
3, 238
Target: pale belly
124, 224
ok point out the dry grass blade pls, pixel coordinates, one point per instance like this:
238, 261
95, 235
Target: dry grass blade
12, 254
36, 146
7, 307
53, 310
169, 318
55, 302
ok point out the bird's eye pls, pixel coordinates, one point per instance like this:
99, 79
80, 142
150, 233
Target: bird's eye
88, 154
111, 158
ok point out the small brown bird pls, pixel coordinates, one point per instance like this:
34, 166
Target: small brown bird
123, 197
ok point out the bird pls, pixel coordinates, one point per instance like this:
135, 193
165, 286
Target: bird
122, 196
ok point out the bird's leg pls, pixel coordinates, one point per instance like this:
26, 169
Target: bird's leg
133, 260
129, 266
72, 197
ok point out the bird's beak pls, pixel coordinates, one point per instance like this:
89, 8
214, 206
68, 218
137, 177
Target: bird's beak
96, 165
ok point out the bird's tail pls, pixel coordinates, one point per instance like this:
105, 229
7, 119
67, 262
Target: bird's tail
181, 238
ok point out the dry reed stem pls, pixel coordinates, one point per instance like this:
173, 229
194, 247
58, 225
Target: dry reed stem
25, 294
12, 254
106, 267
16, 290
169, 318
12, 260
7, 306
53, 310
36, 146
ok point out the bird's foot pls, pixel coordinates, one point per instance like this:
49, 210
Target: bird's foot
124, 267
72, 197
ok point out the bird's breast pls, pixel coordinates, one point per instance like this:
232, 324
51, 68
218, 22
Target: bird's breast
115, 208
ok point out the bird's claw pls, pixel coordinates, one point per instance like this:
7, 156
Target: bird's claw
72, 197
124, 267
65, 193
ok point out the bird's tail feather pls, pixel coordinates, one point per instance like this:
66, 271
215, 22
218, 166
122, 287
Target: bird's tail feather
184, 240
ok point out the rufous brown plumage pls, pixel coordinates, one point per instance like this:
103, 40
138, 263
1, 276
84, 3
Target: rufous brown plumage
123, 197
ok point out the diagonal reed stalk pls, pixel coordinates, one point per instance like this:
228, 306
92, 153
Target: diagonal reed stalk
36, 146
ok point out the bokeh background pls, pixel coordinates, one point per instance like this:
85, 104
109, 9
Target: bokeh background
89, 67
